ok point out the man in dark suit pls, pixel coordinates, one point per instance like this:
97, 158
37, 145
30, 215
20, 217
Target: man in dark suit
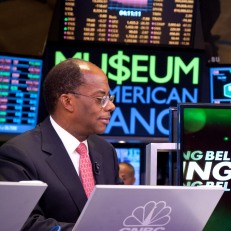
77, 97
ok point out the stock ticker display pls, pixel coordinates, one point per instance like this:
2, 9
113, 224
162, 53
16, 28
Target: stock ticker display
20, 80
151, 22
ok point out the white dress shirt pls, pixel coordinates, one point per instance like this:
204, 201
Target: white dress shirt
70, 143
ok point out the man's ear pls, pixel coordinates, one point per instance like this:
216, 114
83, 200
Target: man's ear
66, 101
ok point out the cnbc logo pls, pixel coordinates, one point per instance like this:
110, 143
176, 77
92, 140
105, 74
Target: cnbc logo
227, 90
153, 216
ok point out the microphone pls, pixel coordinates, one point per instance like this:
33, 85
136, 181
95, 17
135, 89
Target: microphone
96, 168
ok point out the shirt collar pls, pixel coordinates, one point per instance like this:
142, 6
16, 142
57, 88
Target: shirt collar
69, 141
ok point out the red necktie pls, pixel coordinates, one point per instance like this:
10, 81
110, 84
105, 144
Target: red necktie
85, 169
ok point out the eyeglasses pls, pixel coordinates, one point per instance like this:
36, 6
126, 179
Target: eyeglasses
103, 101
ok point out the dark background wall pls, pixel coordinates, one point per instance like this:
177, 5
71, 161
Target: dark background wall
25, 25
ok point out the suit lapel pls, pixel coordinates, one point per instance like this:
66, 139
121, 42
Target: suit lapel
97, 163
61, 164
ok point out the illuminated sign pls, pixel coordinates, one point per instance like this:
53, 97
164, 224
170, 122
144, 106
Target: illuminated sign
145, 84
216, 165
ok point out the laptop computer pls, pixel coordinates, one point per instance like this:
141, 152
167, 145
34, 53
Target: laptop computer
148, 208
17, 200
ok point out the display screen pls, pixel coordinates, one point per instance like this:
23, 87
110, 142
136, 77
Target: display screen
220, 84
132, 156
145, 84
20, 79
151, 22
205, 146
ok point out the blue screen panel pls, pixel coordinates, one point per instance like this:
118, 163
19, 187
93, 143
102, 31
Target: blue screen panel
220, 84
132, 156
20, 82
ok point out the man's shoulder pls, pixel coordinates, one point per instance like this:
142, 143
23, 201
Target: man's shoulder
97, 138
99, 141
24, 139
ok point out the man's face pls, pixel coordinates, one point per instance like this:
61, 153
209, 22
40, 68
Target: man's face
126, 175
89, 116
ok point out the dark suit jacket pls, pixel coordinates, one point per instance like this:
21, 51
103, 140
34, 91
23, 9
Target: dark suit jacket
40, 155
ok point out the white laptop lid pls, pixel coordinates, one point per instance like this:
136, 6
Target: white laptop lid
148, 208
17, 200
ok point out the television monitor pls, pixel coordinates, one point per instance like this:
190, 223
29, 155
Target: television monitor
20, 80
204, 141
133, 153
144, 22
220, 83
130, 154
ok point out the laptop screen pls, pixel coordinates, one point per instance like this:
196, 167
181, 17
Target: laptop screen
17, 200
148, 208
